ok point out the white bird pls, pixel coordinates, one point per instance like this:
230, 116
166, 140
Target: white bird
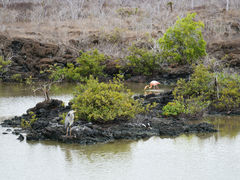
69, 119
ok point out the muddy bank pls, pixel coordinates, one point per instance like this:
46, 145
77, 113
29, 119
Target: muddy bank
48, 125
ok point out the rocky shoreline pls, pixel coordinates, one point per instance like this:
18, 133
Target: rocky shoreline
48, 125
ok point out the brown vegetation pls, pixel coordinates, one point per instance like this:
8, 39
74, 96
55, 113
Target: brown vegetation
110, 25
52, 31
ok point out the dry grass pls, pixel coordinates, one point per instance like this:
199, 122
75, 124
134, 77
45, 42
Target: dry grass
110, 25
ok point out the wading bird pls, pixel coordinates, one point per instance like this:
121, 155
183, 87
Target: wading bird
69, 119
152, 84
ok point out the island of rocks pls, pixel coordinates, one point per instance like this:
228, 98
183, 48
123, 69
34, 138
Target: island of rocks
48, 125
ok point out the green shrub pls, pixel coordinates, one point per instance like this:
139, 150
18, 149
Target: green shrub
228, 92
89, 63
96, 101
3, 64
144, 61
201, 83
28, 123
205, 89
63, 116
17, 77
196, 94
183, 43
25, 124
173, 108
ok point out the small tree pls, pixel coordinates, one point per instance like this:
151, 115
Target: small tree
183, 43
43, 87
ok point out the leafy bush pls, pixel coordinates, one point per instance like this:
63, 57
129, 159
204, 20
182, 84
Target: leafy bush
143, 61
183, 43
196, 94
3, 64
96, 101
228, 92
28, 123
220, 91
173, 108
17, 77
89, 63
201, 83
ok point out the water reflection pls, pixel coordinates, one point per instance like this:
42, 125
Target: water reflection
115, 150
18, 89
228, 126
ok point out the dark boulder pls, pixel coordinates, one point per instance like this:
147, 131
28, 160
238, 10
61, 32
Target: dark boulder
20, 137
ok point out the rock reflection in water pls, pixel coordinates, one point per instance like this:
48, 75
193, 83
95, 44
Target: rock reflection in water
97, 152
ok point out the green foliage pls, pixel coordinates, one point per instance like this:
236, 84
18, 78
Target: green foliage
33, 117
17, 77
144, 61
183, 43
63, 116
205, 89
89, 63
3, 64
229, 92
96, 101
196, 94
201, 84
27, 124
173, 108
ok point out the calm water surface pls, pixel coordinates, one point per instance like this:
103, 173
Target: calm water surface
212, 156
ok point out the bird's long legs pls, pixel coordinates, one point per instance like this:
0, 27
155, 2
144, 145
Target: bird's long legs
70, 131
67, 131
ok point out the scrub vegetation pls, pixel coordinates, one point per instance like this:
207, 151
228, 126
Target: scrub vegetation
4, 64
101, 102
117, 31
182, 43
88, 63
219, 91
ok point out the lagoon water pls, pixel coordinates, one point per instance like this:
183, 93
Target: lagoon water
211, 156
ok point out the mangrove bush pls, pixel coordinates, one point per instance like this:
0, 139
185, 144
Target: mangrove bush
143, 61
183, 43
89, 63
205, 89
95, 101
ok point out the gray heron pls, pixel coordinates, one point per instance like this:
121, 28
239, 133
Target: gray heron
69, 119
